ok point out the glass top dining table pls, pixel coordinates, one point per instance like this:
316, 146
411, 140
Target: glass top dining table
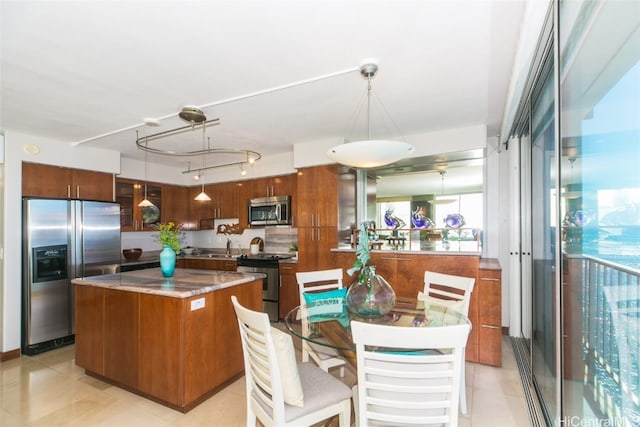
328, 322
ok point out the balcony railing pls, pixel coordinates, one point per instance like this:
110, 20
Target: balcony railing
611, 337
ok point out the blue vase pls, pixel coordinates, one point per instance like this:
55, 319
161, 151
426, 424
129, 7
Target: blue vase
167, 261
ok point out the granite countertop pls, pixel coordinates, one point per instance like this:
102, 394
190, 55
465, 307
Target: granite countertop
185, 283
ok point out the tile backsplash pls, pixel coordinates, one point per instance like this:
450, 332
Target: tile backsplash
277, 239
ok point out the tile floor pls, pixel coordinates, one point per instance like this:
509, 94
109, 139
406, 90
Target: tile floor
49, 390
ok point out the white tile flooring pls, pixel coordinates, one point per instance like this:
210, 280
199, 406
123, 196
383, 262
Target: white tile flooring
50, 390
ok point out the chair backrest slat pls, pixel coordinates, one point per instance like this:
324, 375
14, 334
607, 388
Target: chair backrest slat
449, 287
418, 387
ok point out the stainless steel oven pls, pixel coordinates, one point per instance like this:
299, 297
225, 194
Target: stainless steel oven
269, 265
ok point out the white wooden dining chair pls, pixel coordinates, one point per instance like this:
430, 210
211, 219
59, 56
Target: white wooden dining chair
271, 375
312, 282
454, 291
400, 388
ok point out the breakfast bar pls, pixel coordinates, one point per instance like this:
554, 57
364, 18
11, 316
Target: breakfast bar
173, 339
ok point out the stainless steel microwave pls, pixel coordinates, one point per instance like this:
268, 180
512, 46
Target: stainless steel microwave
270, 210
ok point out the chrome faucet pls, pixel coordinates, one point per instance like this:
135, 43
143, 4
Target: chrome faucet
228, 247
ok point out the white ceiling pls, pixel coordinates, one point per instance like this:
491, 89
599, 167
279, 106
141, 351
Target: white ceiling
75, 70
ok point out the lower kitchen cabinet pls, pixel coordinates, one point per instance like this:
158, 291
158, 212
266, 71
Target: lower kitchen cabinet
223, 264
159, 346
405, 273
489, 314
289, 294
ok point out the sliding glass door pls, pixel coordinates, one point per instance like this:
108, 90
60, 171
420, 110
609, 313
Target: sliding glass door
580, 184
600, 207
544, 287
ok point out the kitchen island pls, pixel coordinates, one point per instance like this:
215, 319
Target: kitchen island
173, 340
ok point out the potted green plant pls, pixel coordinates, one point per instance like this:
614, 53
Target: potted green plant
370, 295
169, 237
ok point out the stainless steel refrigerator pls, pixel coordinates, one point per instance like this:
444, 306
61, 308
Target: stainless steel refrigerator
62, 240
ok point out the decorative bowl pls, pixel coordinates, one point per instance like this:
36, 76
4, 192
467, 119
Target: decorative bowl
188, 250
132, 254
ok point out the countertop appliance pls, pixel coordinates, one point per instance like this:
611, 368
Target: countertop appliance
268, 264
274, 210
62, 240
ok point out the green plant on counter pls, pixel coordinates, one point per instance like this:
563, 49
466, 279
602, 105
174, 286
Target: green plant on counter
293, 247
169, 235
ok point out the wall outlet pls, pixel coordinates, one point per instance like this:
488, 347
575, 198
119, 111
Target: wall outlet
197, 304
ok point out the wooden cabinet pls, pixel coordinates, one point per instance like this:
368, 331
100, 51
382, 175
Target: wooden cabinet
243, 193
289, 294
317, 216
39, 180
224, 203
272, 186
222, 264
404, 273
489, 315
129, 194
175, 206
317, 196
159, 346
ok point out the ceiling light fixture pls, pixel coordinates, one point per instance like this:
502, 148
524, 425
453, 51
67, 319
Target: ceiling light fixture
370, 153
242, 171
196, 118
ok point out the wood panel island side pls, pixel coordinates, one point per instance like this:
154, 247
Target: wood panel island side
173, 340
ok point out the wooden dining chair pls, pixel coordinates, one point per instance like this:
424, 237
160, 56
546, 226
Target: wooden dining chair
454, 291
280, 392
399, 387
319, 282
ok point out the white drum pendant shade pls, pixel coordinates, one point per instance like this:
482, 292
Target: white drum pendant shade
370, 153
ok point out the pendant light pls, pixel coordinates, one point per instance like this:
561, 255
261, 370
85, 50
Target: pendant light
571, 194
442, 170
203, 197
145, 203
370, 153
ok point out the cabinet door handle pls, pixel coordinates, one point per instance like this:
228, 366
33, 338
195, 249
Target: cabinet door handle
491, 327
403, 259
388, 259
318, 219
490, 279
319, 233
77, 191
68, 191
286, 268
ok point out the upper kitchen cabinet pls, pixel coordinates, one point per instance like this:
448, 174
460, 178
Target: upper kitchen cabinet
175, 206
40, 180
317, 196
272, 186
201, 212
317, 216
133, 217
243, 191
